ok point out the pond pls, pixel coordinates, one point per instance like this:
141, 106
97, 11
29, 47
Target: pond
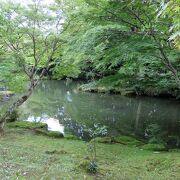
76, 111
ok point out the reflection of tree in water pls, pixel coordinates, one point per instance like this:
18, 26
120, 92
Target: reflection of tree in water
71, 126
123, 115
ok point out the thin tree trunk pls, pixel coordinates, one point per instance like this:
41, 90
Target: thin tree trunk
14, 106
166, 61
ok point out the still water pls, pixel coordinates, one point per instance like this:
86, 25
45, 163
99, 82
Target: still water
72, 111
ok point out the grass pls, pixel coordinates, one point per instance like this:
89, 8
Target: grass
125, 140
155, 147
27, 125
25, 155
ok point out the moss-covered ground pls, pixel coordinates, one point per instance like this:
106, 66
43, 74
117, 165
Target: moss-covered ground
26, 155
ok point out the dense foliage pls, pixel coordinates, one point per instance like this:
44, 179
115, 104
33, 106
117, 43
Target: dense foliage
29, 40
137, 41
124, 44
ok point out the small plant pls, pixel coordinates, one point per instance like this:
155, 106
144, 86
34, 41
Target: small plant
92, 148
92, 167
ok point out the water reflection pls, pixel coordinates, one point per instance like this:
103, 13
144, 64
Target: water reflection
53, 124
123, 115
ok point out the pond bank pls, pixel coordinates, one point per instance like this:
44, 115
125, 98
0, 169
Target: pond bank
111, 86
155, 143
78, 111
27, 155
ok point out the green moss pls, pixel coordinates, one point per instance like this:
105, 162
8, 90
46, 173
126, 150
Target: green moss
155, 147
56, 152
27, 125
52, 134
37, 127
70, 137
103, 140
28, 156
127, 140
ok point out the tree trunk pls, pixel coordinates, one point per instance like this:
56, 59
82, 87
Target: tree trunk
1, 128
13, 107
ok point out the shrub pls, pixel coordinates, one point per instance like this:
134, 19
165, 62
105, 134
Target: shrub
92, 148
92, 167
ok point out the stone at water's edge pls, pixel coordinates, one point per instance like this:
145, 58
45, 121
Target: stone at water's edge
93, 87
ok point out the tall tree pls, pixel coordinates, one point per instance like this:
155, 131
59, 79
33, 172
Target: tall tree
131, 38
30, 36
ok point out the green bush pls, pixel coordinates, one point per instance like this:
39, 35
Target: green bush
89, 166
92, 167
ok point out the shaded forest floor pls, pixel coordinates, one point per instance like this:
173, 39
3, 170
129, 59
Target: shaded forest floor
25, 155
